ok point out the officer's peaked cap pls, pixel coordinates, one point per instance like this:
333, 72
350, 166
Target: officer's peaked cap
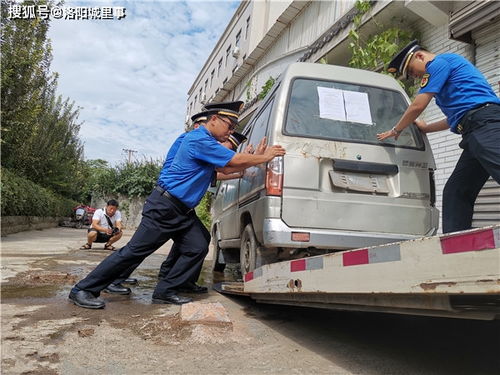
399, 63
236, 139
202, 116
230, 110
232, 106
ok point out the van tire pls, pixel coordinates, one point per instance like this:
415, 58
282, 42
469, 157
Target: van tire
248, 249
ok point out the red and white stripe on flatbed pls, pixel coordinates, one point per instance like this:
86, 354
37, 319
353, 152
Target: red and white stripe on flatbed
458, 262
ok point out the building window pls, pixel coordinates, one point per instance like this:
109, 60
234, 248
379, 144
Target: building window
247, 28
200, 94
212, 77
228, 52
196, 98
244, 57
219, 67
238, 37
206, 86
235, 67
224, 82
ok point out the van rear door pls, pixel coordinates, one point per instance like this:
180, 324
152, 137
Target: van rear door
338, 176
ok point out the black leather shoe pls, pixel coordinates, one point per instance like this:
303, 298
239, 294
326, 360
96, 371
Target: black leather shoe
173, 299
192, 288
131, 281
117, 289
86, 299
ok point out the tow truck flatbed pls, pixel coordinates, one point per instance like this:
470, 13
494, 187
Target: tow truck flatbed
454, 275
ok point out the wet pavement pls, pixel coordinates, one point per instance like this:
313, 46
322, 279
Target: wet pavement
43, 333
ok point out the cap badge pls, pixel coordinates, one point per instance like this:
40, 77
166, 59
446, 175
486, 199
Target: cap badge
425, 80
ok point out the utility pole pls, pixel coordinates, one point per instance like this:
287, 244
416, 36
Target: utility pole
130, 152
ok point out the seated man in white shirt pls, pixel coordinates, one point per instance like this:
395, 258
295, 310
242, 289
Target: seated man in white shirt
106, 226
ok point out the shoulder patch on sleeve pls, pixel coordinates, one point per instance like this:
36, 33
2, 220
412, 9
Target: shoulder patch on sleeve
425, 80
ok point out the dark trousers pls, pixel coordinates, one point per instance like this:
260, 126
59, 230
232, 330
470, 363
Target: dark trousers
479, 160
161, 220
175, 253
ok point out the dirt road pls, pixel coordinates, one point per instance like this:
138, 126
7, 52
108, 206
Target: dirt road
42, 333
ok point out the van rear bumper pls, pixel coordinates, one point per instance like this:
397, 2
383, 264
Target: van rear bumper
277, 234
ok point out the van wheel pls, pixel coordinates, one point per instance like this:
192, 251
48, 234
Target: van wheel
248, 250
218, 264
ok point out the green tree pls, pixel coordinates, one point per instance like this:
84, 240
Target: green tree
374, 52
135, 179
39, 129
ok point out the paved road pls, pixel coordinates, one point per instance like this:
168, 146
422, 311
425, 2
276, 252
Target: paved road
42, 333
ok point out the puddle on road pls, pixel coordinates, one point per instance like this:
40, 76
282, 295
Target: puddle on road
23, 291
59, 274
36, 284
47, 286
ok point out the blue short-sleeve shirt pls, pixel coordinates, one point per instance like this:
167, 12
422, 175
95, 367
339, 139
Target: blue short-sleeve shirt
458, 86
170, 156
190, 172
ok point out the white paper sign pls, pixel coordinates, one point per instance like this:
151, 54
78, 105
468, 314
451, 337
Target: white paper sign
357, 107
331, 104
342, 105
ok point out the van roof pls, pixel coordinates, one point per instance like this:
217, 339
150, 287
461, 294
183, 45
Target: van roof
339, 74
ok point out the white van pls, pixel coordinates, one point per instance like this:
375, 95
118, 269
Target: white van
337, 187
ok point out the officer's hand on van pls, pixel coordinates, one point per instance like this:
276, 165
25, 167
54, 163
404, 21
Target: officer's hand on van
273, 151
388, 134
261, 147
249, 149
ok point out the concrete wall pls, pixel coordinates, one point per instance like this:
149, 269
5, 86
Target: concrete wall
15, 224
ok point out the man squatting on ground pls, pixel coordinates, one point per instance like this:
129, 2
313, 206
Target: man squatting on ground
106, 226
471, 108
168, 212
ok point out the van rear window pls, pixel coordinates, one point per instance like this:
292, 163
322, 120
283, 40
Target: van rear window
347, 112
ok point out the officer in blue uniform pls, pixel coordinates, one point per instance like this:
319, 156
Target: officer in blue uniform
168, 212
234, 140
471, 108
116, 286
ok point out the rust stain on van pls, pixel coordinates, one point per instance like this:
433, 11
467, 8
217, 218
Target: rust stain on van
433, 286
317, 149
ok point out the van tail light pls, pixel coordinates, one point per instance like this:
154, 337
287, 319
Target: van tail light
274, 176
432, 187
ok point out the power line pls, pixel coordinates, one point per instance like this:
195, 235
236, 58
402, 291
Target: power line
130, 152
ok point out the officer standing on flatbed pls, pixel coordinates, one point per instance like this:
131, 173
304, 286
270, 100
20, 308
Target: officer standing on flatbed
471, 108
169, 212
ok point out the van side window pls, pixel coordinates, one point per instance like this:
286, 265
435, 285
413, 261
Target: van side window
260, 125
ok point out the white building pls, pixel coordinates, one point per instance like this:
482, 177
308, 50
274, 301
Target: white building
264, 36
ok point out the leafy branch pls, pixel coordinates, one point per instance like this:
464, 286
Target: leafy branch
376, 51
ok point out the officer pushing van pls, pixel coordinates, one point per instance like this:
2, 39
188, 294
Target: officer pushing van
168, 212
471, 108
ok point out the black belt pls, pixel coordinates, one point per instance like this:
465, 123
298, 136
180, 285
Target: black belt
181, 206
463, 126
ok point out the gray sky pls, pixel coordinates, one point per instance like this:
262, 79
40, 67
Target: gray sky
131, 76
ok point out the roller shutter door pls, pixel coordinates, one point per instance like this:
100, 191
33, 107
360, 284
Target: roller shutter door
487, 208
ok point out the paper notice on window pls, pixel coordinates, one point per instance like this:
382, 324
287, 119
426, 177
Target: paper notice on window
357, 107
342, 105
331, 104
